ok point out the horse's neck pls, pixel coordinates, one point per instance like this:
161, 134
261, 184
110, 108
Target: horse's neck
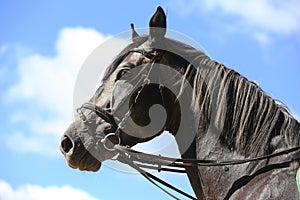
235, 120
264, 128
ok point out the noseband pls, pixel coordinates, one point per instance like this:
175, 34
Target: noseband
102, 113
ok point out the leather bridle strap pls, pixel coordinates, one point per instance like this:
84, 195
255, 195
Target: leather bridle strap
104, 114
153, 179
177, 162
133, 158
148, 55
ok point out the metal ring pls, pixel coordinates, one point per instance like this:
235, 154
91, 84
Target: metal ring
104, 140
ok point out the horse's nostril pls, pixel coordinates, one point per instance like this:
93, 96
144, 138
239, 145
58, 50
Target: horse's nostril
66, 144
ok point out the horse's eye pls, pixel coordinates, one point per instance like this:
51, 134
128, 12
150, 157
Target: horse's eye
122, 72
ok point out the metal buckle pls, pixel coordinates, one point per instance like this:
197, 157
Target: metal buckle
104, 141
81, 114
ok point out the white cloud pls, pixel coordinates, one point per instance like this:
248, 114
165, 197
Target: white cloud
261, 18
50, 80
3, 49
36, 192
43, 144
262, 38
43, 95
281, 17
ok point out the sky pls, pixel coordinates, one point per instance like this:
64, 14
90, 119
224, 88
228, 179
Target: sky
43, 46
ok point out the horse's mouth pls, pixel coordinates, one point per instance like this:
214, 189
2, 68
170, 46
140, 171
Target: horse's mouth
86, 163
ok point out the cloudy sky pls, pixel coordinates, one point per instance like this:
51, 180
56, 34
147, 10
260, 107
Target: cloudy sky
43, 46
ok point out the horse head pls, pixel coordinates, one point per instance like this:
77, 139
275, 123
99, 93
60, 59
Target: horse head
133, 103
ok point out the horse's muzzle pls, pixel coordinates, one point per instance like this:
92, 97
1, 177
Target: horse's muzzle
77, 156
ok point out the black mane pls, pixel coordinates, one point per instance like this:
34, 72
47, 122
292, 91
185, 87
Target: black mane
245, 117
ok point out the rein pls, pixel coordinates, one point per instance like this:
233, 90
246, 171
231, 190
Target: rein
140, 161
182, 163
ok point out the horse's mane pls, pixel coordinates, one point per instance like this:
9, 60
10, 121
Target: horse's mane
245, 117
248, 120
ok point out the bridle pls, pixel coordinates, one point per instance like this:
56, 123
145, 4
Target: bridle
118, 124
140, 161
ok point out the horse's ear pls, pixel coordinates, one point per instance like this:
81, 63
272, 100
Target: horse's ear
134, 35
158, 23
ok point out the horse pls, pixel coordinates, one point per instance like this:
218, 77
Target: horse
158, 84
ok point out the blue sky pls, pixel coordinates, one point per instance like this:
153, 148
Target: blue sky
42, 46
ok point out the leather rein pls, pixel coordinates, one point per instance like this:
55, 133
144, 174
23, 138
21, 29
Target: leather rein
140, 160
